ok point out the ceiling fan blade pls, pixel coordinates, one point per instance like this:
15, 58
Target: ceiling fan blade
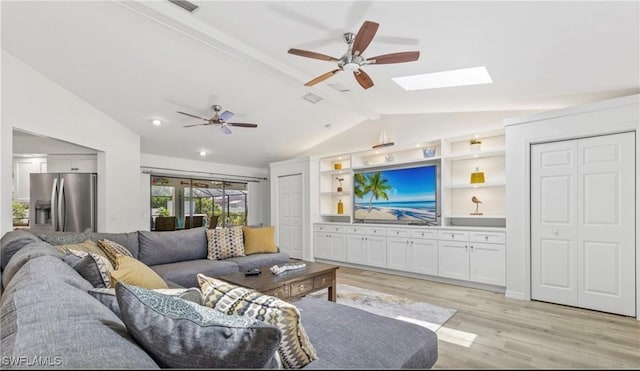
314, 55
225, 129
394, 58
194, 116
224, 116
242, 124
188, 126
363, 79
322, 77
364, 36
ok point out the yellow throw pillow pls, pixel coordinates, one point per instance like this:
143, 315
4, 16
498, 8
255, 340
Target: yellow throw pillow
134, 272
259, 240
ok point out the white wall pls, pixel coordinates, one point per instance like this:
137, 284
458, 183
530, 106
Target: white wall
33, 103
606, 117
412, 129
258, 200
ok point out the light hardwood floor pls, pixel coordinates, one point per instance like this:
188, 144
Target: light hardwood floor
491, 331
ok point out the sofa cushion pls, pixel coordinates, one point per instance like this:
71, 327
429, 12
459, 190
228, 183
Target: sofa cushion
107, 296
185, 273
22, 256
55, 321
181, 334
346, 337
63, 238
13, 241
133, 272
248, 262
174, 246
224, 243
259, 240
295, 349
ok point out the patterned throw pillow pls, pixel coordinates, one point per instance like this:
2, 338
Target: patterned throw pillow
86, 246
92, 267
179, 334
112, 250
225, 243
107, 296
295, 349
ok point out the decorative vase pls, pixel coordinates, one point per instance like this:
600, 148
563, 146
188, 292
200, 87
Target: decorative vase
429, 152
340, 207
337, 166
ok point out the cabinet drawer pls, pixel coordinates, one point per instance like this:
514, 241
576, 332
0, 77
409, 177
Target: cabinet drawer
281, 292
488, 237
425, 234
356, 230
453, 235
301, 287
323, 281
328, 228
376, 231
398, 233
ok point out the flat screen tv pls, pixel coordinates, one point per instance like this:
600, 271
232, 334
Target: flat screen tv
401, 195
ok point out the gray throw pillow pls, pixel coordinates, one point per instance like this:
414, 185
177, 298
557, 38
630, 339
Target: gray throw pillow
88, 269
107, 296
180, 334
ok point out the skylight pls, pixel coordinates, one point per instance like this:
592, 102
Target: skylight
462, 77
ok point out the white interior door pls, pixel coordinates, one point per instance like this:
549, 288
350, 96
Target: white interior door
290, 215
553, 222
583, 223
606, 228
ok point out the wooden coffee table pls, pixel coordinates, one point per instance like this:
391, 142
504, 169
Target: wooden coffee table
292, 284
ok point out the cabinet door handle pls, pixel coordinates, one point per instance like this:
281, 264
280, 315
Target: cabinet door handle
486, 238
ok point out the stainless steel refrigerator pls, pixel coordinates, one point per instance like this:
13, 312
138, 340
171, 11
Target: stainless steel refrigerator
64, 202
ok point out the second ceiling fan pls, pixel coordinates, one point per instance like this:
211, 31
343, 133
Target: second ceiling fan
352, 60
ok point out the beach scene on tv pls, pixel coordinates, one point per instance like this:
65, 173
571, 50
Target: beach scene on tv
396, 194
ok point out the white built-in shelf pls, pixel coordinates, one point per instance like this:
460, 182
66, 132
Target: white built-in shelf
473, 186
336, 193
333, 215
340, 171
460, 216
479, 154
416, 161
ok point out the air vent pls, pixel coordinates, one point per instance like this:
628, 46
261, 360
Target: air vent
184, 5
312, 98
340, 88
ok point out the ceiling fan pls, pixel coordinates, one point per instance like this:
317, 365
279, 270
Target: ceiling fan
352, 60
219, 119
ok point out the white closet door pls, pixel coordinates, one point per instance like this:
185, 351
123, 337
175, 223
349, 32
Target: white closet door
290, 215
554, 223
583, 223
606, 228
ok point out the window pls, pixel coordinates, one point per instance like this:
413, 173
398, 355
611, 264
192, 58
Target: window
196, 202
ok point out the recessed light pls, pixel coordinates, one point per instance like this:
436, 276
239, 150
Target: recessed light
203, 153
156, 122
462, 77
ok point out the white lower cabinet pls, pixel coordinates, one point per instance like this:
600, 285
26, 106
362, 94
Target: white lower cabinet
330, 244
462, 255
367, 246
467, 255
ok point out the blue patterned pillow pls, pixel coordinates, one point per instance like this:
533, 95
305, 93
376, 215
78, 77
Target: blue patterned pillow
180, 334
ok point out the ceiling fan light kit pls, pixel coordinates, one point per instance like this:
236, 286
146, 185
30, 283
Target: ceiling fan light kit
352, 60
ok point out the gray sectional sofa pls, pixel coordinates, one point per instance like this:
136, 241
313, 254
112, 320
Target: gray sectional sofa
48, 318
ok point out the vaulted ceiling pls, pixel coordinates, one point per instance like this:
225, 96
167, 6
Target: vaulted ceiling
138, 61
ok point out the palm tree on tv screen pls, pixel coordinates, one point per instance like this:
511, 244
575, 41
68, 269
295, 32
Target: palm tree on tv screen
360, 188
378, 187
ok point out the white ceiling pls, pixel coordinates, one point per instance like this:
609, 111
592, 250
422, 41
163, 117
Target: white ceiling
141, 60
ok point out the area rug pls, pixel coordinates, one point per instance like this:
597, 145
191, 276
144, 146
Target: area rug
423, 314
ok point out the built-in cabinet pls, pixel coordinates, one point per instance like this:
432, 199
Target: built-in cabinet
458, 157
22, 168
466, 255
86, 163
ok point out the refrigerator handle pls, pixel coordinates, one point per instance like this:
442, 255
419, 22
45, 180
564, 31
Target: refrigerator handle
54, 219
93, 202
61, 200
